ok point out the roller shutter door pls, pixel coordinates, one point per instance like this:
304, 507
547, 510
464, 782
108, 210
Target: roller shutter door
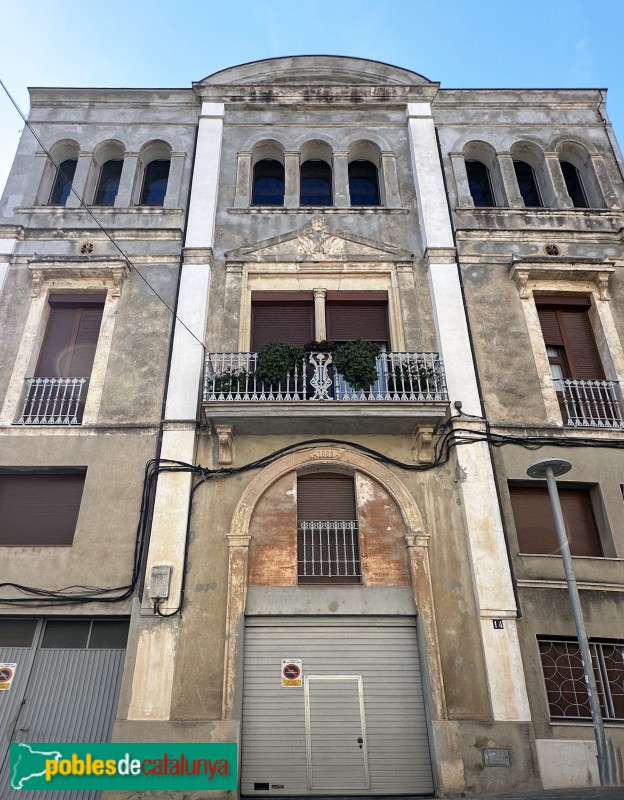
357, 726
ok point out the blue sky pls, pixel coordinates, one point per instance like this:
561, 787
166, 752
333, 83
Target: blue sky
474, 43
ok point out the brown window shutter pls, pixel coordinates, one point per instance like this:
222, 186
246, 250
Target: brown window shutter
550, 326
325, 496
348, 320
282, 322
580, 345
39, 509
535, 526
70, 341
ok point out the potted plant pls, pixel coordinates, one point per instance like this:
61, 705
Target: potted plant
278, 360
411, 376
357, 363
319, 346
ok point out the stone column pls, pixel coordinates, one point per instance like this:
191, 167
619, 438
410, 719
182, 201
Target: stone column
560, 191
291, 180
482, 521
320, 325
464, 196
391, 195
242, 197
342, 198
510, 182
36, 190
174, 184
126, 182
79, 184
238, 569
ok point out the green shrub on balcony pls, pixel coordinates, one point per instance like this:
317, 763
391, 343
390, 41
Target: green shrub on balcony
411, 376
278, 360
357, 363
231, 381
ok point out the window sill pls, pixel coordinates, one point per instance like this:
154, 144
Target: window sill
318, 210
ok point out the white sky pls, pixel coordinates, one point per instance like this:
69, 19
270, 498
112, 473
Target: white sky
135, 43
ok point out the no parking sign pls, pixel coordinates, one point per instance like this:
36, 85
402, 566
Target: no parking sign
7, 673
292, 672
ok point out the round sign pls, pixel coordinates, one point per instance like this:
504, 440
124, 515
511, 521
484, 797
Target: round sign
6, 673
291, 671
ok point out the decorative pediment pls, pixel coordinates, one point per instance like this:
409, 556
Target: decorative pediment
108, 272
318, 242
550, 269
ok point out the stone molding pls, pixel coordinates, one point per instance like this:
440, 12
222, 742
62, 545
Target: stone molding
551, 269
110, 272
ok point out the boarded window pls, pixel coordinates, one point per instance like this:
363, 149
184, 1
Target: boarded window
71, 337
328, 548
282, 320
535, 526
357, 318
39, 508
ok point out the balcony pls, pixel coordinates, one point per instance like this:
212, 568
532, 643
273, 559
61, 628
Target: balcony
53, 401
315, 398
589, 404
328, 551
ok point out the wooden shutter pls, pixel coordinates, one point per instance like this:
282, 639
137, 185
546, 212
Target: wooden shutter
282, 321
353, 319
39, 509
568, 325
71, 337
325, 496
535, 526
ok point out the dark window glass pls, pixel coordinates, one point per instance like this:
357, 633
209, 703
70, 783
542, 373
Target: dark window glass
268, 183
107, 633
316, 183
363, 183
17, 632
480, 185
155, 182
66, 633
63, 182
108, 184
574, 185
527, 184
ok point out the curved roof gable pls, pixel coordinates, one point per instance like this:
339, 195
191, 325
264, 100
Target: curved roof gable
315, 70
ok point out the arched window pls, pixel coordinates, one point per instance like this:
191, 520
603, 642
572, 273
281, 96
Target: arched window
268, 183
574, 185
316, 183
527, 183
480, 184
63, 182
108, 182
155, 179
363, 183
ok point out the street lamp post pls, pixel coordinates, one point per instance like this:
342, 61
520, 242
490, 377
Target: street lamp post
550, 468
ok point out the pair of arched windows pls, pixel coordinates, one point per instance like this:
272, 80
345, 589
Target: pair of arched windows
315, 183
482, 192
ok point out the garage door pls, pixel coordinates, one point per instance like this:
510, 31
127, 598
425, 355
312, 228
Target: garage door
65, 689
357, 723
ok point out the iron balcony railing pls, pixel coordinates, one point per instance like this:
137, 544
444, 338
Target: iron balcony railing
328, 551
234, 377
53, 401
592, 404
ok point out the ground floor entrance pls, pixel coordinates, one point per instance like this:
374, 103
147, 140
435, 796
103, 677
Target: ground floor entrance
353, 720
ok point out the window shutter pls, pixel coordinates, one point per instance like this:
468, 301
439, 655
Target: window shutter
535, 526
348, 320
70, 341
550, 327
282, 322
39, 509
580, 345
325, 496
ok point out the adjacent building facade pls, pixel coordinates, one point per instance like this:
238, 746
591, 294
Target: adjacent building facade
387, 296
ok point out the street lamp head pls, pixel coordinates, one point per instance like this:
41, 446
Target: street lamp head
559, 466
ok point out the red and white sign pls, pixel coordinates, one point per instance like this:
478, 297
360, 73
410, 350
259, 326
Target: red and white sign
7, 673
292, 672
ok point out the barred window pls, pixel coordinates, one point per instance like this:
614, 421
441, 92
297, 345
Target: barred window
564, 680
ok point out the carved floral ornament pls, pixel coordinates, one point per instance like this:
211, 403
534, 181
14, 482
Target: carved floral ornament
524, 274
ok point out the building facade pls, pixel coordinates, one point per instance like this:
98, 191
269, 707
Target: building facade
387, 296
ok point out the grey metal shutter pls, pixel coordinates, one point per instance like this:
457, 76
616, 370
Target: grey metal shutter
69, 695
276, 743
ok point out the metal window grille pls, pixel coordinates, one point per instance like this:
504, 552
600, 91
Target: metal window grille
590, 403
566, 690
53, 401
328, 551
